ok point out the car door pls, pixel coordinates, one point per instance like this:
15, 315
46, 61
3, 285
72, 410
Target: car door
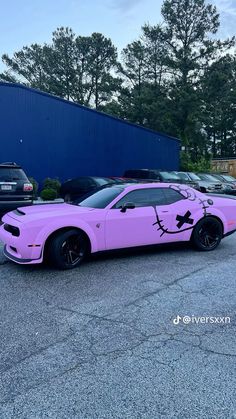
184, 206
142, 225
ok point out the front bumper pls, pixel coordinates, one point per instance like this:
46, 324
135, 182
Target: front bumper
214, 190
8, 252
20, 249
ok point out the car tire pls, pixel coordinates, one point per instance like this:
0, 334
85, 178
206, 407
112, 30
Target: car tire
68, 249
207, 234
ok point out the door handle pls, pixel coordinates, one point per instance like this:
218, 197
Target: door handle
164, 211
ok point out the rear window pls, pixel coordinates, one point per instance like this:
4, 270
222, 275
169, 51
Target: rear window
169, 176
140, 174
11, 175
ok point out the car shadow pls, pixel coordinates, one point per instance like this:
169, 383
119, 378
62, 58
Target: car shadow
134, 252
140, 251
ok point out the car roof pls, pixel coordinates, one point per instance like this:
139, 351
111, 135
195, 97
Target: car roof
134, 186
10, 165
147, 170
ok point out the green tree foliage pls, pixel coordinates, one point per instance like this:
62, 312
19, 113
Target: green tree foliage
27, 66
177, 77
49, 183
219, 106
75, 68
189, 26
61, 59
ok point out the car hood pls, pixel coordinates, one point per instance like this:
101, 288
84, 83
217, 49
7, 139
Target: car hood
208, 183
46, 210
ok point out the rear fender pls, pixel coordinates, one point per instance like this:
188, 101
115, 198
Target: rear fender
199, 215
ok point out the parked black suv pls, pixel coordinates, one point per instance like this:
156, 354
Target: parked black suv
149, 174
15, 188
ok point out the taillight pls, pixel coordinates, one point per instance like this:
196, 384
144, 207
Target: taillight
28, 187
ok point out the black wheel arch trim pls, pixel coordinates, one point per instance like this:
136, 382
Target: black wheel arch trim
216, 218
61, 230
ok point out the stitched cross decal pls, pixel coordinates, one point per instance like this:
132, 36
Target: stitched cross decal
184, 219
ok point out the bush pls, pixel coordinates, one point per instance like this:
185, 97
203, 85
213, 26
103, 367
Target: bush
187, 165
54, 184
35, 186
48, 194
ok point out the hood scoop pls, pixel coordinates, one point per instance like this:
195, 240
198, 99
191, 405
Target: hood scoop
18, 212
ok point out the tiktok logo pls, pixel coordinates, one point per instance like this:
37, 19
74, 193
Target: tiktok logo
177, 320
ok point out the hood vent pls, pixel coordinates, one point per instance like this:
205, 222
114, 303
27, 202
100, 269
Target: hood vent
18, 212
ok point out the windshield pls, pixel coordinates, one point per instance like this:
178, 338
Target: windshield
183, 176
167, 175
229, 178
209, 177
102, 198
194, 176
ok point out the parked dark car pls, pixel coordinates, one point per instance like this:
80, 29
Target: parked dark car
15, 188
78, 187
159, 176
142, 174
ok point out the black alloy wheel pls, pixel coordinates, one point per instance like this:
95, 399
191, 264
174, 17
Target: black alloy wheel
68, 249
207, 234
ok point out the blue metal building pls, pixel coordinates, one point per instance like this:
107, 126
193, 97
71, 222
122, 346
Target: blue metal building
52, 137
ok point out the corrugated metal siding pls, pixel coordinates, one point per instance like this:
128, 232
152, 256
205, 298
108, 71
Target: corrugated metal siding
52, 137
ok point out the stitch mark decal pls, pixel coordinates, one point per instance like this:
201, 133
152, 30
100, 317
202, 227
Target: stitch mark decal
184, 219
189, 195
165, 230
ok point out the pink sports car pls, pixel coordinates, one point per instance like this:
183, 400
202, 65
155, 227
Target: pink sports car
116, 217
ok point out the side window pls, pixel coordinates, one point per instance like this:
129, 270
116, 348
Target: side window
172, 196
143, 198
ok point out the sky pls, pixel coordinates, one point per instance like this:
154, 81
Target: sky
24, 22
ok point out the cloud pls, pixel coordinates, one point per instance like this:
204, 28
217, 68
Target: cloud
226, 7
227, 10
125, 5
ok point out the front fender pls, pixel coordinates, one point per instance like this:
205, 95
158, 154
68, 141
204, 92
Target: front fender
53, 227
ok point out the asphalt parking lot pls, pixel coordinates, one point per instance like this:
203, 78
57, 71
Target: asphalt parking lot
100, 342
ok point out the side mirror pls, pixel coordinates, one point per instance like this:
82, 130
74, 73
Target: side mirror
128, 205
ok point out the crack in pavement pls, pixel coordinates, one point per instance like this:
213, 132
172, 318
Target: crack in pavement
38, 352
165, 287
